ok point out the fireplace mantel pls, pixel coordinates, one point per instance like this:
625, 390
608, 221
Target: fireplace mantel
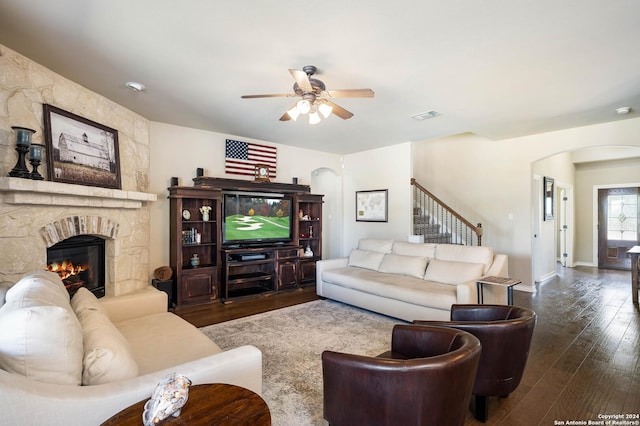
25, 191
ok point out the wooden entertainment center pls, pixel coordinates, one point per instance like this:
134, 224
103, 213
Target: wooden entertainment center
205, 270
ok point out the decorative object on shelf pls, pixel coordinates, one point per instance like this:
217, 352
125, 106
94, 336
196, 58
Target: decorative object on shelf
241, 157
163, 273
199, 172
205, 212
23, 140
262, 172
300, 214
80, 151
310, 231
174, 181
372, 206
186, 214
170, 395
308, 252
195, 260
35, 157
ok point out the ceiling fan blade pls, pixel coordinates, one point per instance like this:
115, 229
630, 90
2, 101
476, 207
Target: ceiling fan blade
338, 110
302, 79
272, 95
350, 93
285, 117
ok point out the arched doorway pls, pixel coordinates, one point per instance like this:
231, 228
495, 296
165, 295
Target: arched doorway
571, 238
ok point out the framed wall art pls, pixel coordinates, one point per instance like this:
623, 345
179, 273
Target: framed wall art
79, 150
372, 206
548, 194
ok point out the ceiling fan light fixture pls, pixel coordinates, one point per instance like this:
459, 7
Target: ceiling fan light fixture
314, 118
294, 113
325, 109
303, 106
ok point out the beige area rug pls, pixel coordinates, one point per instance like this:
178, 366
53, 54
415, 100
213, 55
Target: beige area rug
292, 340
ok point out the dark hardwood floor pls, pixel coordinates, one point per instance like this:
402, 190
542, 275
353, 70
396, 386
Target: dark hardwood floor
584, 359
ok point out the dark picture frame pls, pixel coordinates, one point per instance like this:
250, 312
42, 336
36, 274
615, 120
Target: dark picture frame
548, 191
372, 206
79, 150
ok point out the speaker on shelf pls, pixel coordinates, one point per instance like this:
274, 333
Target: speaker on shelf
199, 172
174, 181
167, 287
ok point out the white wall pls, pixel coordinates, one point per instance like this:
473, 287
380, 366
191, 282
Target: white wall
383, 168
179, 151
490, 181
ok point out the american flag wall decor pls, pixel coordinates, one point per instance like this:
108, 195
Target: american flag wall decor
241, 158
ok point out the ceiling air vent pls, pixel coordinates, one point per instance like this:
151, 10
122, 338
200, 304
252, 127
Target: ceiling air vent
426, 115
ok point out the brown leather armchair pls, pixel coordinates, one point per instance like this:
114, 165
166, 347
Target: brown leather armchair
505, 333
426, 379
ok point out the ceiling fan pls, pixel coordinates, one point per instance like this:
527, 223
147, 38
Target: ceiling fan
315, 97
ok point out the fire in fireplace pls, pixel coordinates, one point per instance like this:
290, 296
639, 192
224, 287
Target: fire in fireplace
79, 261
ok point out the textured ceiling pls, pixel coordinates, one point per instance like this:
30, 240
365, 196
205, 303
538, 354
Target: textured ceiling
497, 68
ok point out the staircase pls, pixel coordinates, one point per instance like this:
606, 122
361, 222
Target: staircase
438, 223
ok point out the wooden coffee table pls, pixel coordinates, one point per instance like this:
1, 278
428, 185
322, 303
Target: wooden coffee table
207, 405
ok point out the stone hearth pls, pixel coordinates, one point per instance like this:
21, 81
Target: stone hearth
35, 215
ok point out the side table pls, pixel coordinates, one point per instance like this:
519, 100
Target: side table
509, 283
207, 405
633, 254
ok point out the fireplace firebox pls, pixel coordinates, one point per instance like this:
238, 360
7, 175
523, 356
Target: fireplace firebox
80, 262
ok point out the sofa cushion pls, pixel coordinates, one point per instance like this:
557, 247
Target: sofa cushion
377, 245
39, 288
107, 355
164, 340
404, 248
41, 337
365, 259
450, 272
391, 286
460, 253
85, 300
413, 266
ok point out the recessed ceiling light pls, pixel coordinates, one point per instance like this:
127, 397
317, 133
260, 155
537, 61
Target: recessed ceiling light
135, 86
623, 110
426, 115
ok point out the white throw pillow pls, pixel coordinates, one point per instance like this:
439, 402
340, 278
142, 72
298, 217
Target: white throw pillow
39, 288
377, 245
365, 259
41, 336
85, 300
450, 272
107, 354
42, 343
413, 266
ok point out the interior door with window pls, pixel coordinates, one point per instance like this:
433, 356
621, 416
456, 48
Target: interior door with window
617, 226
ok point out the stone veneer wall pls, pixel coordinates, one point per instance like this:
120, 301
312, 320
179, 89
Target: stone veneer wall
24, 87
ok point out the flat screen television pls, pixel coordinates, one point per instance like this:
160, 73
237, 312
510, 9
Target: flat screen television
251, 218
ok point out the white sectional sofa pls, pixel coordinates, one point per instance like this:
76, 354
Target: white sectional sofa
80, 361
410, 281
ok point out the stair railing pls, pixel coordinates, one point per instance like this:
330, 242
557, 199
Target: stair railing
439, 222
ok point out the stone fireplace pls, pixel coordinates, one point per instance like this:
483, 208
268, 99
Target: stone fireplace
38, 215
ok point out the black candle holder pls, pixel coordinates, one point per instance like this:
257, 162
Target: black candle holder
23, 140
35, 157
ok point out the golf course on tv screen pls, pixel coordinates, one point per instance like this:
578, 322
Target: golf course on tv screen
257, 219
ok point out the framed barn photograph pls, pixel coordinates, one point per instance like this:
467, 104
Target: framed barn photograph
79, 150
